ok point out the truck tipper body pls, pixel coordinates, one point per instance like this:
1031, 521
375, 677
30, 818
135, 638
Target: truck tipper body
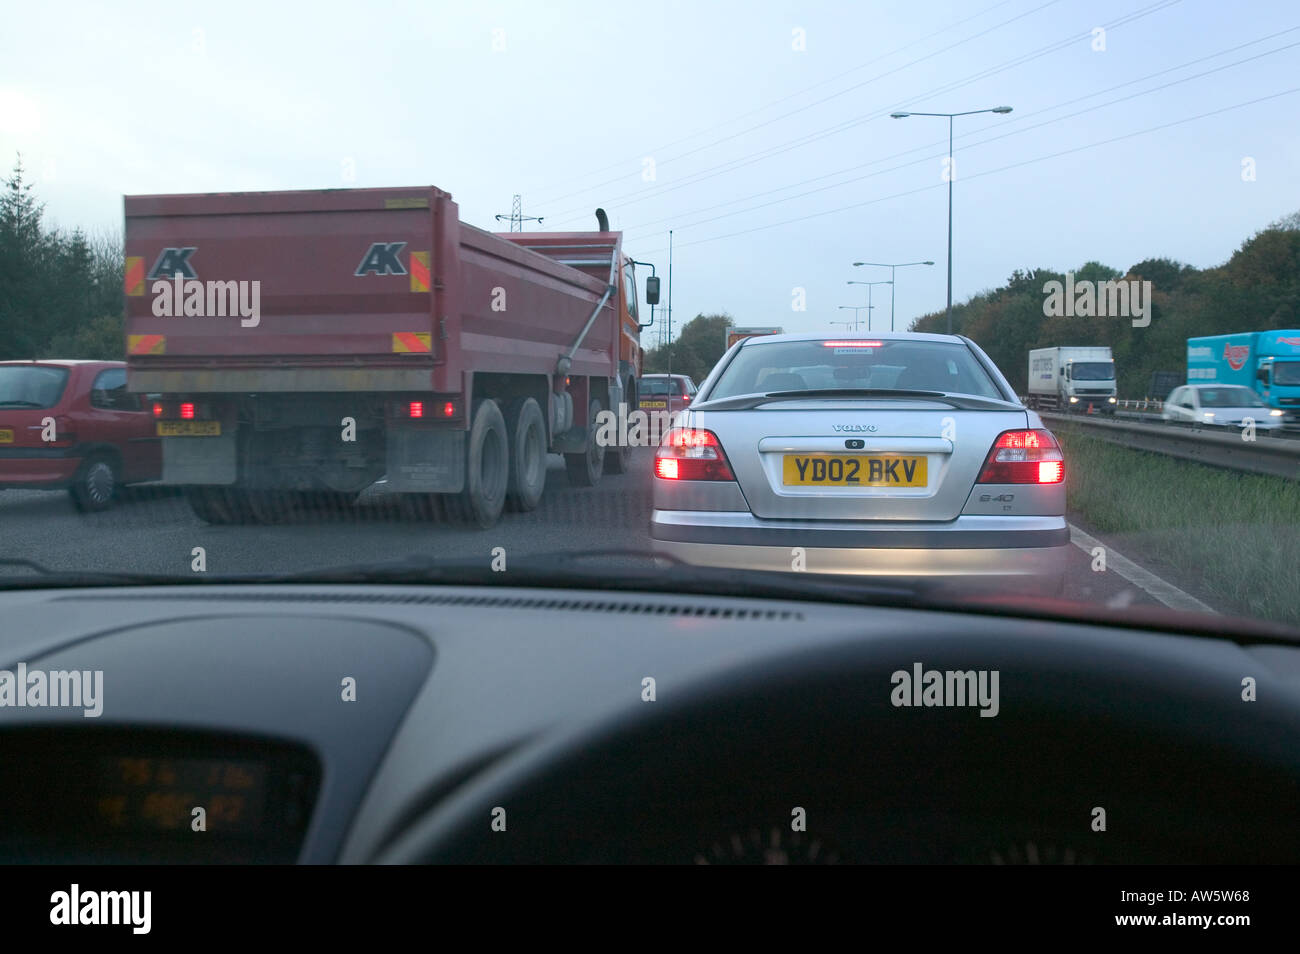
1267, 362
314, 342
1072, 379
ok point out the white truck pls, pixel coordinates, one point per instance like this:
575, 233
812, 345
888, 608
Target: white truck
1072, 379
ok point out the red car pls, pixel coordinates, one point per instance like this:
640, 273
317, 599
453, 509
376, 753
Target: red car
664, 392
73, 425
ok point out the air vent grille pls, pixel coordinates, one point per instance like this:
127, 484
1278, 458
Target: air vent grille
533, 603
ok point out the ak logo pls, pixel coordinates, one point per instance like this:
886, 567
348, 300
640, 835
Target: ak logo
381, 259
171, 261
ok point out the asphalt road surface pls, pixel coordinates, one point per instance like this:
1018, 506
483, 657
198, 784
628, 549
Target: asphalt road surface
153, 530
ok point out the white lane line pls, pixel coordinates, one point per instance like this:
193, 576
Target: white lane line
1162, 590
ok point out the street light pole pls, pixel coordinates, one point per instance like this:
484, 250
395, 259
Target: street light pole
952, 175
855, 309
869, 305
893, 267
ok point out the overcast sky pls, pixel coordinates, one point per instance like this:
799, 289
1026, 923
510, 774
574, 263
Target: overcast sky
757, 131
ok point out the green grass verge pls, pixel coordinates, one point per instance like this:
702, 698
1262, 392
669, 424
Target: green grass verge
1233, 537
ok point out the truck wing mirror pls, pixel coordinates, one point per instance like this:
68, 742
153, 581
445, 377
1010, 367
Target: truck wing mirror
652, 290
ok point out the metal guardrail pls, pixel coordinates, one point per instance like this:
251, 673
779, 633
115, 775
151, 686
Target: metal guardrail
1141, 404
1275, 456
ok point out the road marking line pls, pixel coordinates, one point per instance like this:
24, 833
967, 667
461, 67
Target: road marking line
1144, 579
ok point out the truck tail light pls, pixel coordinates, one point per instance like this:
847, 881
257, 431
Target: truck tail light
187, 411
415, 410
691, 453
1024, 457
449, 409
158, 409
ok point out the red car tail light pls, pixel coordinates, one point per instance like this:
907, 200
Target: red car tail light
1024, 457
158, 409
691, 453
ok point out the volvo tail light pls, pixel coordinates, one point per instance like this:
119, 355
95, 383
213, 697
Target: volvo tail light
691, 453
1024, 457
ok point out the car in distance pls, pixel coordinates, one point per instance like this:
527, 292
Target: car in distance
664, 392
73, 425
899, 455
1220, 405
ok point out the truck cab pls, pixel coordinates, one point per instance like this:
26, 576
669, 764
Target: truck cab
1072, 379
1268, 362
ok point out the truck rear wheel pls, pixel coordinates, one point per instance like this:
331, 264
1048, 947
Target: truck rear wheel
487, 471
585, 468
527, 430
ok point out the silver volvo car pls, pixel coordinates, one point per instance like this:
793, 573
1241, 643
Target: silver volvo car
894, 455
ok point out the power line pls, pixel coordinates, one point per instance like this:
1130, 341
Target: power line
989, 172
803, 109
677, 218
777, 102
731, 165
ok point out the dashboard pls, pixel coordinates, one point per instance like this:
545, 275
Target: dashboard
363, 724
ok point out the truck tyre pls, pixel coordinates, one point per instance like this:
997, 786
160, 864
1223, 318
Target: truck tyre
618, 460
527, 430
585, 468
487, 471
95, 485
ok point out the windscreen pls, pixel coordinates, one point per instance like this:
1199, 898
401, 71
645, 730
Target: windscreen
1286, 373
817, 365
1230, 397
1092, 371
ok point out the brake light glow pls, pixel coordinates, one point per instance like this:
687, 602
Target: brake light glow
691, 453
415, 409
851, 344
187, 411
449, 409
1024, 457
158, 409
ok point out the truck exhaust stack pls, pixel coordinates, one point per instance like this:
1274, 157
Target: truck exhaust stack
602, 220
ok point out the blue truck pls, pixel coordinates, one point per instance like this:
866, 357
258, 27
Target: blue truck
1268, 362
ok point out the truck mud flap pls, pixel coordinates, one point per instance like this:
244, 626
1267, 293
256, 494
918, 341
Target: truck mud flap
426, 461
200, 460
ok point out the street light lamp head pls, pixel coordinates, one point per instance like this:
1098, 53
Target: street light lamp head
927, 263
1002, 109
899, 115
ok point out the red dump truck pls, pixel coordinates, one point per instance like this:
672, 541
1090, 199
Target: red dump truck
299, 345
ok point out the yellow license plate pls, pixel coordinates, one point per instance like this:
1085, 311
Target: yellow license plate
189, 428
853, 470
6, 436
654, 403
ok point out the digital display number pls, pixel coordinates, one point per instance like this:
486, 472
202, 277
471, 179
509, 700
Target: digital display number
160, 794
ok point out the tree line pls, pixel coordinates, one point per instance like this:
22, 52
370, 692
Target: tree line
1257, 289
60, 292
